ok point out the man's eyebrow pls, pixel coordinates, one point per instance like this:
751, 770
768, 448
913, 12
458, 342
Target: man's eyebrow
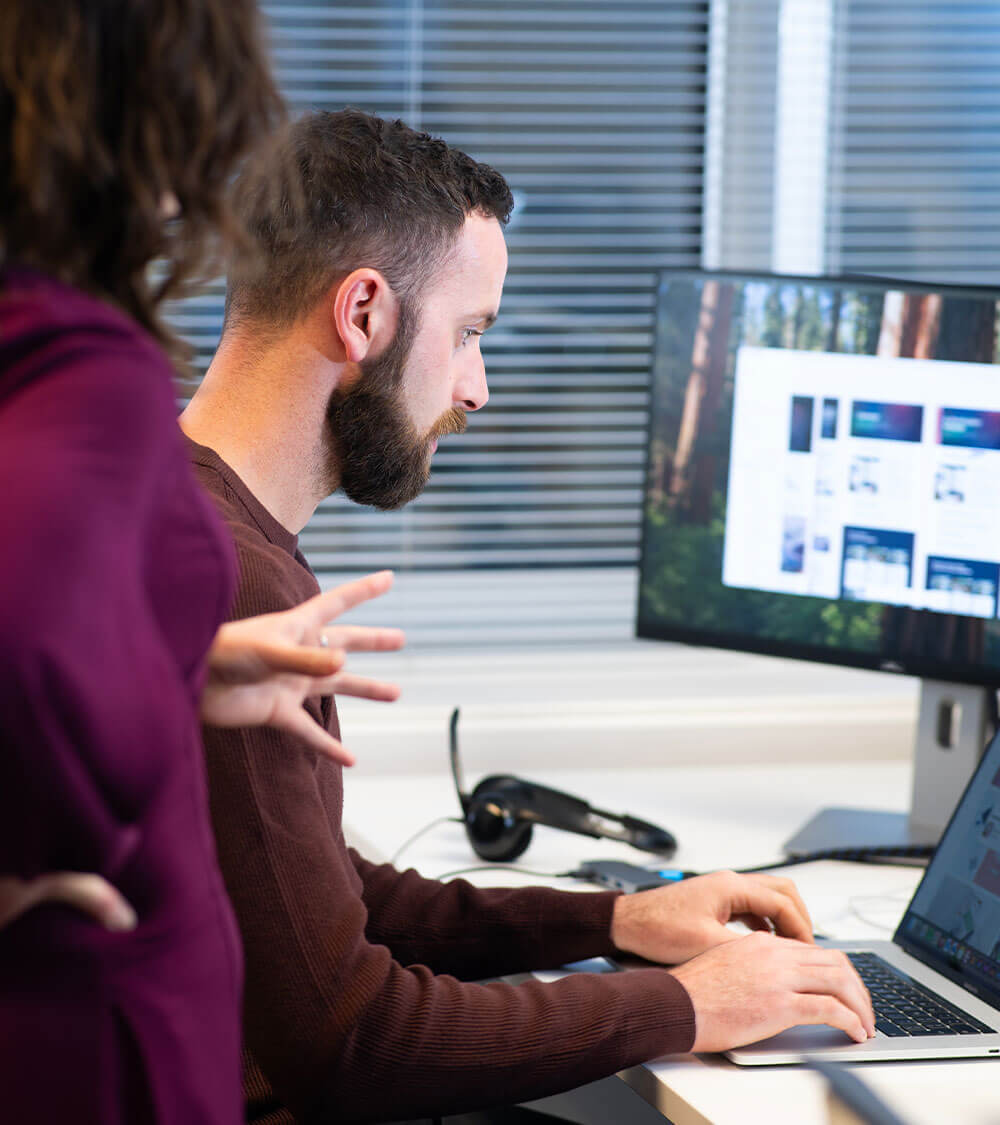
486, 319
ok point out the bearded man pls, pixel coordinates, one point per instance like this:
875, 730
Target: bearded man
348, 349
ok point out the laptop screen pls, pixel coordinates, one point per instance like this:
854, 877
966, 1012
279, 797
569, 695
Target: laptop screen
953, 920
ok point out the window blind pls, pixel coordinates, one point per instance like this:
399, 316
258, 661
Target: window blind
595, 112
915, 164
855, 136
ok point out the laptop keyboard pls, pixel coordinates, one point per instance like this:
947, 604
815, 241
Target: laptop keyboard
904, 1007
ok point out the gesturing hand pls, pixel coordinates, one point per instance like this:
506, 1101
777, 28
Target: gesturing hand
758, 985
674, 924
89, 893
261, 669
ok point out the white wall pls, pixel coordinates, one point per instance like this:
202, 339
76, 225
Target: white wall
635, 703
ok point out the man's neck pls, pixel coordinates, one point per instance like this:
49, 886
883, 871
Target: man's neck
264, 415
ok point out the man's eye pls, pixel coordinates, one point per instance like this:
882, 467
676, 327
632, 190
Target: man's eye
467, 334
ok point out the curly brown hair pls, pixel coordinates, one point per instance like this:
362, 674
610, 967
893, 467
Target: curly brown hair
113, 113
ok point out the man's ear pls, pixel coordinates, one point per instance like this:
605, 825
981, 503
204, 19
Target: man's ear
364, 314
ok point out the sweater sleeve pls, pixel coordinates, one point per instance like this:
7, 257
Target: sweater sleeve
346, 1031
81, 666
474, 933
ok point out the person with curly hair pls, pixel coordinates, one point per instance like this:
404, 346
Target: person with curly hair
121, 124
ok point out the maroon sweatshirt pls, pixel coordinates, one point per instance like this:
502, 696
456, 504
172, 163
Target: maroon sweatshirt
114, 575
358, 1005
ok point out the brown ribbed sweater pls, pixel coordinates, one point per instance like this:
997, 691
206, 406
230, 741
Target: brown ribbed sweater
357, 1001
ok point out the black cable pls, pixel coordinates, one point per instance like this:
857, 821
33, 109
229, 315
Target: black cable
910, 855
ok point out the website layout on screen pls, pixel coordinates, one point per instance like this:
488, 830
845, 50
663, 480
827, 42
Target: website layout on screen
867, 478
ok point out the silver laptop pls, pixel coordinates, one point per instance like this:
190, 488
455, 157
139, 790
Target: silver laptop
936, 985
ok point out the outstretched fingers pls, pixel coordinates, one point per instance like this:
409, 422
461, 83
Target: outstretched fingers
299, 722
360, 686
364, 638
324, 607
300, 660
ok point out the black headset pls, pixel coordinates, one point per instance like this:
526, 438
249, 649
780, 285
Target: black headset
501, 811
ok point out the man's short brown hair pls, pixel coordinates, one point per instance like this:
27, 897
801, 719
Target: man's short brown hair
369, 192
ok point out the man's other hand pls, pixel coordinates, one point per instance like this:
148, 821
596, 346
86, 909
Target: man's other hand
673, 924
754, 987
261, 669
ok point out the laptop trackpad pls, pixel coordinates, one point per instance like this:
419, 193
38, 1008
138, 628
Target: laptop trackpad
806, 1037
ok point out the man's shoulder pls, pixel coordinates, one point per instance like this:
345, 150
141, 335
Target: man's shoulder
270, 579
249, 535
215, 484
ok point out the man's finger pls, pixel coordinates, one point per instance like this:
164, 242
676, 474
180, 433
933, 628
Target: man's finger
365, 638
788, 887
325, 607
837, 977
300, 660
755, 897
753, 922
817, 1008
299, 722
360, 686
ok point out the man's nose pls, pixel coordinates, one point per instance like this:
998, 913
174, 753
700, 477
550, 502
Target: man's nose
471, 391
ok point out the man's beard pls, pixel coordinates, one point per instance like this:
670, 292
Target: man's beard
380, 458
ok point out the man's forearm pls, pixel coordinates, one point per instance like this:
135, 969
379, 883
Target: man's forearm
473, 932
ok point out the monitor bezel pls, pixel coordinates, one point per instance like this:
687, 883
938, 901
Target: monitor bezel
976, 983
977, 674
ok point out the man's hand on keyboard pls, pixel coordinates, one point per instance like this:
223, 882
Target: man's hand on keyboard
674, 924
758, 985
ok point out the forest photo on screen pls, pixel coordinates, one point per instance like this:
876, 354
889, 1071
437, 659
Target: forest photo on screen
707, 326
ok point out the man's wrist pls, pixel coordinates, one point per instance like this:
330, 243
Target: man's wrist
620, 917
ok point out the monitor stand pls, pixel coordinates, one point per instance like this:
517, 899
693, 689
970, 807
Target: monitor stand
955, 723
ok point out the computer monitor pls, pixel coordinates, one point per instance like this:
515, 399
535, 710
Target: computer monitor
823, 483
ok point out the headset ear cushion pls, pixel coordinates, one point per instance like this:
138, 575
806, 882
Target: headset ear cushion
495, 834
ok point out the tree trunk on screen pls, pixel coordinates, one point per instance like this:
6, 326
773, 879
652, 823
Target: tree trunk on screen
968, 331
693, 476
890, 337
911, 324
694, 390
928, 327
676, 326
834, 329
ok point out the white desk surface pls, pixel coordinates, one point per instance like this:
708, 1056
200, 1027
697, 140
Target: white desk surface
723, 816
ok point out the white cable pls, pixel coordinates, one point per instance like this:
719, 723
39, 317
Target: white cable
420, 832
